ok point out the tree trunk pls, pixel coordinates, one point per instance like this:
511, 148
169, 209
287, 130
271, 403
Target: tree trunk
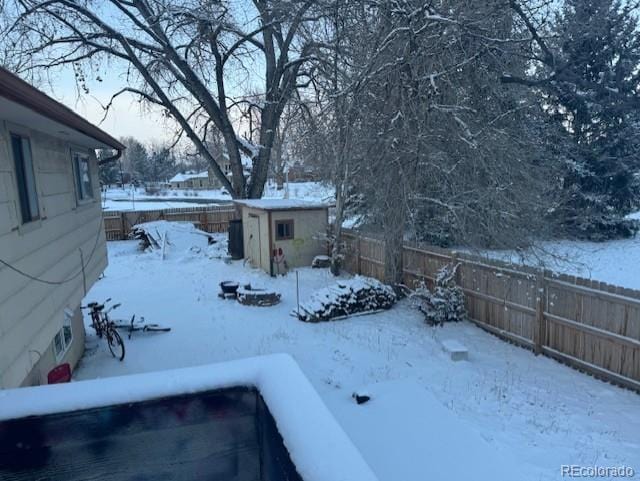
336, 248
394, 228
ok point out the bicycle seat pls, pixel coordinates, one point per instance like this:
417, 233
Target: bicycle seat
92, 304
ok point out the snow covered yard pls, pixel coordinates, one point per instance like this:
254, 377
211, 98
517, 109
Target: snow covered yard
137, 199
504, 414
613, 261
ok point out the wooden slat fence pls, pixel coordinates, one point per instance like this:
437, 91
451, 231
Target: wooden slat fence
118, 224
590, 325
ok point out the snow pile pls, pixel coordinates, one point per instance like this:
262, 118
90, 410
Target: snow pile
168, 237
346, 297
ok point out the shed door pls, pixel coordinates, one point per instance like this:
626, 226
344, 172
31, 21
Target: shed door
253, 240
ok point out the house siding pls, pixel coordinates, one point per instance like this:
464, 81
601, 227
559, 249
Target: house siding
308, 228
31, 312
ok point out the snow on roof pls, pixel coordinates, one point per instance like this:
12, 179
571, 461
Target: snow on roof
282, 204
189, 175
319, 448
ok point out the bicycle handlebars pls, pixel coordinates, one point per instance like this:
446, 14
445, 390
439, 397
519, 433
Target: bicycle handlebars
94, 306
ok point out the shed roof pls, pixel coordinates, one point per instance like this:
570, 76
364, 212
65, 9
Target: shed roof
282, 204
17, 91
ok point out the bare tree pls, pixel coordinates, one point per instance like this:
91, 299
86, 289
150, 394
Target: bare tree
423, 135
185, 57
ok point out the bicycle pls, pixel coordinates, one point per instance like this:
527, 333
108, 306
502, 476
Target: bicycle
103, 326
133, 326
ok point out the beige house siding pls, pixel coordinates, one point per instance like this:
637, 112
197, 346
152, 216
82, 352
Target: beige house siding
47, 359
256, 241
31, 312
308, 227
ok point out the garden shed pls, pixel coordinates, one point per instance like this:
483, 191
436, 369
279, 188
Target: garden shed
283, 233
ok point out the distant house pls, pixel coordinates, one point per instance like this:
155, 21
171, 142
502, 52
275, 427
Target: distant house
299, 172
191, 180
225, 166
280, 233
52, 241
207, 178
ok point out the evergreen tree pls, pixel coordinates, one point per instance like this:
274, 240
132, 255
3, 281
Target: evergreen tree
135, 159
109, 173
161, 164
594, 91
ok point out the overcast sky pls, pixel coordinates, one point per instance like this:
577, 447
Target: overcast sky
125, 118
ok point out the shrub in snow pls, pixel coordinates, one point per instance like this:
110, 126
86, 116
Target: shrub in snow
346, 297
445, 303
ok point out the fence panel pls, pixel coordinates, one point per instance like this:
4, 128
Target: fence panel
118, 224
587, 324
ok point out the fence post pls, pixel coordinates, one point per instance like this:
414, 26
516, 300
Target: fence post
358, 254
454, 263
539, 332
122, 237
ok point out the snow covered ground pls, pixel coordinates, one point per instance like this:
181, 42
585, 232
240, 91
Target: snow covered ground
137, 199
503, 414
615, 262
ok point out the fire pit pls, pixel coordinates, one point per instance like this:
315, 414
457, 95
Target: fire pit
255, 296
229, 289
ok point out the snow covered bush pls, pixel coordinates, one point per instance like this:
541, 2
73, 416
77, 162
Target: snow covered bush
360, 294
445, 303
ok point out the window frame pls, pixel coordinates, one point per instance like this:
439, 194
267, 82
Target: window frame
77, 153
61, 336
288, 222
22, 188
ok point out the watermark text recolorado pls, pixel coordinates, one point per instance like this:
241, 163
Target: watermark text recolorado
577, 471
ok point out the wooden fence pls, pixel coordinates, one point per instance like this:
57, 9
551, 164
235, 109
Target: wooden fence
589, 325
118, 224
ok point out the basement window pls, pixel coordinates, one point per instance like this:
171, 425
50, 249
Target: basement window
284, 229
63, 339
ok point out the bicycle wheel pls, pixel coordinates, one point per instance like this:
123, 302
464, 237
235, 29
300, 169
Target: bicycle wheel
116, 345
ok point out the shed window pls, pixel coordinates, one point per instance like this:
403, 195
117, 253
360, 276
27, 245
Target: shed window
25, 178
284, 229
82, 175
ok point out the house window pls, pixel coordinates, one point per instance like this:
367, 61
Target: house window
25, 177
63, 339
82, 175
284, 229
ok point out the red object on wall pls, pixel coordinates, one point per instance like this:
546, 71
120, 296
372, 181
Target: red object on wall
59, 374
